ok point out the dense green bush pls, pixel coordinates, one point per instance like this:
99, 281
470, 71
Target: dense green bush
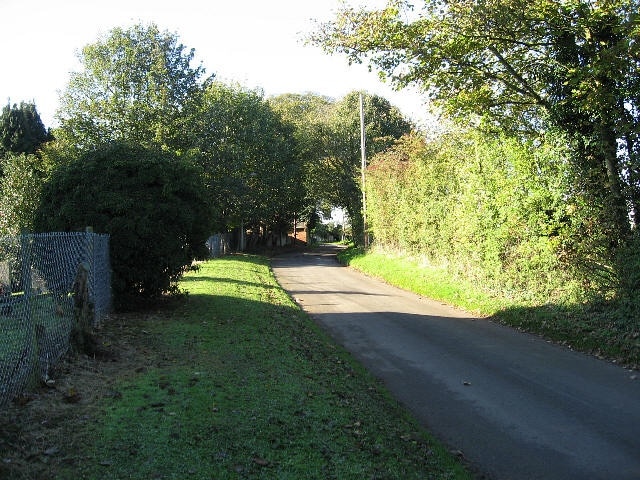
153, 204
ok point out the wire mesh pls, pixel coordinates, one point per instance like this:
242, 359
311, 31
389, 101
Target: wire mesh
38, 275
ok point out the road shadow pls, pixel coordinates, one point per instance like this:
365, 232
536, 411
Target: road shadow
322, 249
600, 328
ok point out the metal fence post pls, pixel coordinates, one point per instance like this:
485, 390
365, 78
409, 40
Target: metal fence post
30, 353
89, 261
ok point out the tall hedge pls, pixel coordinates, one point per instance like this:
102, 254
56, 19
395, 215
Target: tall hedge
497, 211
153, 204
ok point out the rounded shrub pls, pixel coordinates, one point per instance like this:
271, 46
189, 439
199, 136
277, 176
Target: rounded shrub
153, 204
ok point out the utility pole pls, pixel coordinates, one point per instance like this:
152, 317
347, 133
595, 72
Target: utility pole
363, 167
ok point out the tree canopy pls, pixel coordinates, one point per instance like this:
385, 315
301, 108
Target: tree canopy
329, 135
248, 155
524, 66
22, 168
20, 186
135, 85
309, 114
21, 129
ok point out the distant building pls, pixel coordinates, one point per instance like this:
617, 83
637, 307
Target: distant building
299, 234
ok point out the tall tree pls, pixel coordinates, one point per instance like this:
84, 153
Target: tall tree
329, 135
341, 169
135, 85
22, 171
525, 65
248, 154
21, 129
309, 114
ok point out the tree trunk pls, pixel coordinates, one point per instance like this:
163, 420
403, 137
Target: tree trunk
634, 180
619, 207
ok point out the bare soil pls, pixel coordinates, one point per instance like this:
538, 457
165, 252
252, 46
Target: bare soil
50, 426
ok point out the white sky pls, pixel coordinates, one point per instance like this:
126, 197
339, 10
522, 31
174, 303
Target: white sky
257, 43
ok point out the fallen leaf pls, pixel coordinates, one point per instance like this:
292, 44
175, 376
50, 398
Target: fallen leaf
113, 394
260, 461
51, 451
22, 400
72, 396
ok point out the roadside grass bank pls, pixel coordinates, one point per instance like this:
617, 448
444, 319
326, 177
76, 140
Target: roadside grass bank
607, 329
237, 382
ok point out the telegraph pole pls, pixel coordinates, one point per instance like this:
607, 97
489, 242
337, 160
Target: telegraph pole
363, 167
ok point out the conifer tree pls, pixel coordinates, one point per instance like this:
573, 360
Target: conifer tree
21, 129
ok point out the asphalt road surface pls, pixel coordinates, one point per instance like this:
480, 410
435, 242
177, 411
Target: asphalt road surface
516, 406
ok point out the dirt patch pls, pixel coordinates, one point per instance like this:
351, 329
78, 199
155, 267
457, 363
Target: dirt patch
49, 426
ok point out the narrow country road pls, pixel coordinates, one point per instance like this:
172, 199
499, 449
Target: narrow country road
516, 406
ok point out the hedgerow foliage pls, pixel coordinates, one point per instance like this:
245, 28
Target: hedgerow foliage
497, 211
153, 204
20, 186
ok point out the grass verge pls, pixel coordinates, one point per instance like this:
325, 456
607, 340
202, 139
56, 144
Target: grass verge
608, 329
431, 282
237, 382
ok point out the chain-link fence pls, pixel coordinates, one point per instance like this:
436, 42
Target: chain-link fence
42, 277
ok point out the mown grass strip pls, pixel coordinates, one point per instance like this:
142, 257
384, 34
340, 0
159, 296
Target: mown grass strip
246, 386
609, 328
429, 281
